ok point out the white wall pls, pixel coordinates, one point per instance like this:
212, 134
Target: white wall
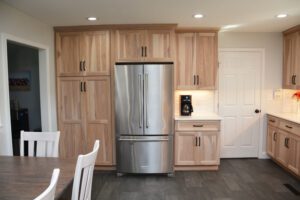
272, 43
18, 24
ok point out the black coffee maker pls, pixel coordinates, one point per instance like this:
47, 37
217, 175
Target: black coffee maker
186, 107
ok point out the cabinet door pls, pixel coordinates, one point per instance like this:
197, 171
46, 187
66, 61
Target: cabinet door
289, 61
68, 54
186, 151
98, 117
209, 148
297, 60
70, 117
159, 45
293, 145
129, 45
271, 141
282, 152
186, 68
206, 60
95, 52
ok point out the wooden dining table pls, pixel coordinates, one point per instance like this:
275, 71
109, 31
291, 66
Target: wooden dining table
23, 178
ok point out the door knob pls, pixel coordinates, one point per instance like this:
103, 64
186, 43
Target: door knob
257, 111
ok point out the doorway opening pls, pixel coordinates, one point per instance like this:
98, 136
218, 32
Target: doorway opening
24, 91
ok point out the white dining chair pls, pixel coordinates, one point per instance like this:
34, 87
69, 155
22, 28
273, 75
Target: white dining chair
49, 193
82, 185
40, 144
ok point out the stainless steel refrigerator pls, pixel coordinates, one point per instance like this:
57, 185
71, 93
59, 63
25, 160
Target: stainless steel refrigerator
144, 117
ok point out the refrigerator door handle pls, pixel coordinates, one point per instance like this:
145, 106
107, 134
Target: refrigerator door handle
146, 99
140, 101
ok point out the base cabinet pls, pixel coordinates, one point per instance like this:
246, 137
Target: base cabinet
284, 146
197, 148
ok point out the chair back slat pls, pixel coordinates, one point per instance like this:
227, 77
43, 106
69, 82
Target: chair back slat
41, 149
49, 193
31, 148
83, 178
40, 144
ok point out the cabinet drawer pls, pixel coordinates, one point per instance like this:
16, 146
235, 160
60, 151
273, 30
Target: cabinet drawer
197, 125
274, 121
290, 127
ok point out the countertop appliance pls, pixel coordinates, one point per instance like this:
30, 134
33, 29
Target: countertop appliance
186, 107
144, 117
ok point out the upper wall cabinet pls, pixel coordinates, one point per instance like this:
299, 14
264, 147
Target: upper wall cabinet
196, 60
291, 58
144, 45
83, 53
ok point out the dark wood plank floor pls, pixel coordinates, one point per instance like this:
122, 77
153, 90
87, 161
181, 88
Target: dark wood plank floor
238, 179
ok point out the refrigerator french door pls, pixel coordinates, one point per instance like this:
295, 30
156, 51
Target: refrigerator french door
144, 117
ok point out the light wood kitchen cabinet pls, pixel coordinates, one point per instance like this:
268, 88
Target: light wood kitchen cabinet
291, 59
196, 60
197, 145
283, 143
144, 45
84, 106
271, 141
83, 53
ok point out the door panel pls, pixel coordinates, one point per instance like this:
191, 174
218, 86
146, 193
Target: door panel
68, 54
96, 52
186, 68
209, 148
98, 117
282, 153
289, 60
159, 45
158, 99
129, 45
129, 99
239, 97
271, 141
294, 154
186, 151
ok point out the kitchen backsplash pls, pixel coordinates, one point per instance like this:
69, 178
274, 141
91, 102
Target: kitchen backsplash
289, 105
203, 101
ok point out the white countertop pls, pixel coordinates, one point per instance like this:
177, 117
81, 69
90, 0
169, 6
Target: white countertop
293, 117
208, 116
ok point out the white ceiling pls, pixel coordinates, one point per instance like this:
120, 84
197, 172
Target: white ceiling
251, 15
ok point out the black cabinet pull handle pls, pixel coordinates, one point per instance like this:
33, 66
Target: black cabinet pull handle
294, 80
287, 126
81, 86
197, 125
196, 141
199, 141
271, 120
83, 63
194, 80
287, 143
80, 66
197, 79
145, 51
142, 51
84, 86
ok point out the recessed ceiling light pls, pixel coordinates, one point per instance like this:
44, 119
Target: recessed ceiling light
281, 15
230, 26
92, 18
198, 16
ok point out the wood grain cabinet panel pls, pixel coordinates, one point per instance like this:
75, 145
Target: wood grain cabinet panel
98, 117
68, 54
196, 61
144, 45
83, 53
291, 60
209, 148
293, 145
96, 52
271, 141
71, 116
186, 152
282, 149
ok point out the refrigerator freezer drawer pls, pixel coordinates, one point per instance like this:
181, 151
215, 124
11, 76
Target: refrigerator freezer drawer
145, 154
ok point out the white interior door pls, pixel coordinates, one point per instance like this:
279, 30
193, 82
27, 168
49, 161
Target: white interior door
239, 97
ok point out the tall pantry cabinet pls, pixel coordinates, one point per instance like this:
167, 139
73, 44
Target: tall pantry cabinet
84, 93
